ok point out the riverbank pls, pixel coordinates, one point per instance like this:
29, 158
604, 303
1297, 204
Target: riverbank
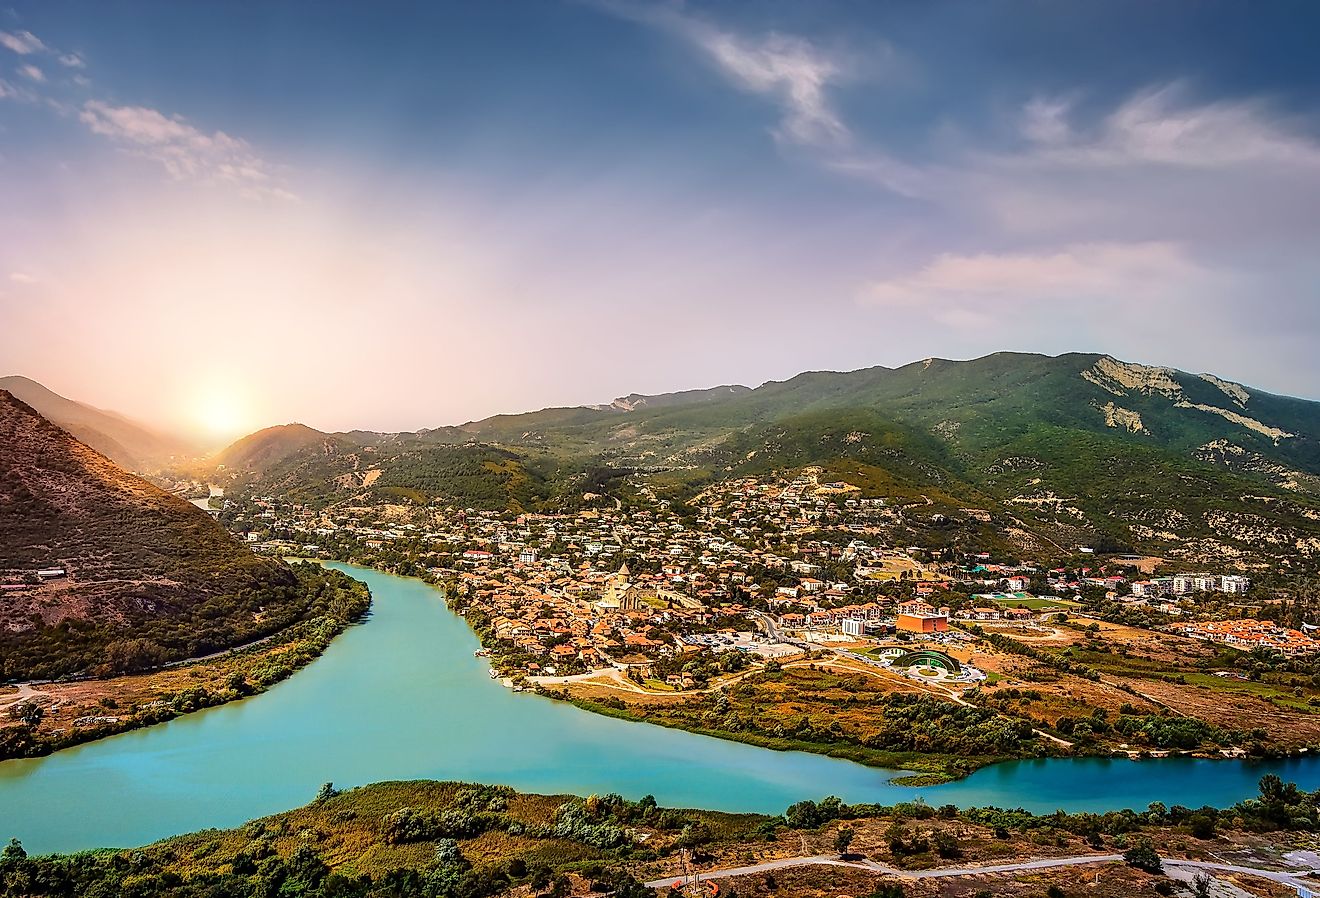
40, 718
916, 768
452, 839
825, 704
403, 697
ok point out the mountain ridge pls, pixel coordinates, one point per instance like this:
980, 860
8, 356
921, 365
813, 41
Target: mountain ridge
1079, 448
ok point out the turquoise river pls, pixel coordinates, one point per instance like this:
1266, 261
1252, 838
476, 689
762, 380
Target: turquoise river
402, 697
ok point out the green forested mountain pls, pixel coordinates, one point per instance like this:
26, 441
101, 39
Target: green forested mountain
1066, 450
297, 462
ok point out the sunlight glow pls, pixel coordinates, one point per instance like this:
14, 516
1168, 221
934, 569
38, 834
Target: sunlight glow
220, 412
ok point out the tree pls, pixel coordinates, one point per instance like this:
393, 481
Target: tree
13, 852
1202, 826
1201, 883
326, 792
694, 834
124, 655
447, 854
946, 844
843, 840
889, 890
1142, 856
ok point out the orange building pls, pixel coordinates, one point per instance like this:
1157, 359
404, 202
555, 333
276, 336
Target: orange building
922, 623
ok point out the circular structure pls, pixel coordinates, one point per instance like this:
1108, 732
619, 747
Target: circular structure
927, 658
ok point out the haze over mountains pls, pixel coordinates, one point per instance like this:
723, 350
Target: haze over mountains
128, 443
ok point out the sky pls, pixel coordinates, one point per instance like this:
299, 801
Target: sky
390, 216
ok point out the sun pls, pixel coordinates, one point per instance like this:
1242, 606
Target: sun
220, 412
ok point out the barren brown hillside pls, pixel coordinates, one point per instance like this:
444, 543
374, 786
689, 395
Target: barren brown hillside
148, 577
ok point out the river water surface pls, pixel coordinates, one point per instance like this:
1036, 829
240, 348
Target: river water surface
402, 697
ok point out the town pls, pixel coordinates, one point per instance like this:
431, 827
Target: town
657, 597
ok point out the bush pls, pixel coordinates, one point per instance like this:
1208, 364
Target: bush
1142, 856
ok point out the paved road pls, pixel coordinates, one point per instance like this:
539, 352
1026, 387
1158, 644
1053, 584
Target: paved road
1291, 878
783, 863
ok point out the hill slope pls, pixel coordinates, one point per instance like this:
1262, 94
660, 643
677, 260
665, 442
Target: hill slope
266, 449
149, 576
127, 443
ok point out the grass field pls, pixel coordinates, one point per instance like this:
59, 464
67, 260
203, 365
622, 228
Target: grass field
1161, 673
838, 712
1038, 604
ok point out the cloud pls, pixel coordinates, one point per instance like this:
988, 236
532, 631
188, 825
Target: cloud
1154, 166
19, 277
23, 43
798, 75
10, 91
1122, 156
1157, 127
1046, 121
962, 290
186, 152
790, 70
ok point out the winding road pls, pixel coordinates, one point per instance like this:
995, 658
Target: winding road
1291, 878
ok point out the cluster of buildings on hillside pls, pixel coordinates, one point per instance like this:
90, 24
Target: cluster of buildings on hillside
773, 559
1189, 584
1248, 634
